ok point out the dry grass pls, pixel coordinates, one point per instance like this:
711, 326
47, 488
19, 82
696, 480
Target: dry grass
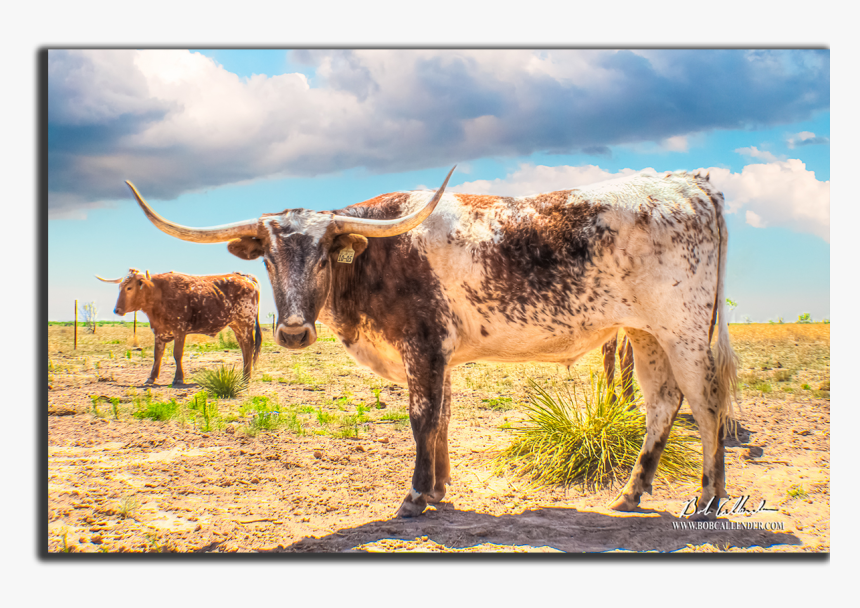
783, 358
780, 358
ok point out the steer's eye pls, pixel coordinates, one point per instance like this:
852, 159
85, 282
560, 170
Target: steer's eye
323, 262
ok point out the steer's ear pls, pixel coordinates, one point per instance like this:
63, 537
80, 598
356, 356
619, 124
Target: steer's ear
349, 241
247, 248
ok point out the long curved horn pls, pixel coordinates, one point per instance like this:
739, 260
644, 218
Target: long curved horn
378, 228
213, 234
109, 280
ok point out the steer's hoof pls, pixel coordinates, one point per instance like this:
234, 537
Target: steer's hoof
412, 507
623, 503
149, 381
436, 495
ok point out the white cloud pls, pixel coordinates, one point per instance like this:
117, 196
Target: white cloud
753, 152
806, 138
754, 220
536, 179
178, 121
782, 193
676, 144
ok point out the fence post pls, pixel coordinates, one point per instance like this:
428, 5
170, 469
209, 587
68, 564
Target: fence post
76, 325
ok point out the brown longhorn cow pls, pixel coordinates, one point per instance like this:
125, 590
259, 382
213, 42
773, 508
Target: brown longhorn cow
180, 304
412, 293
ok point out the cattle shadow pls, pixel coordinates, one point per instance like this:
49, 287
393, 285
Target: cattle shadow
564, 529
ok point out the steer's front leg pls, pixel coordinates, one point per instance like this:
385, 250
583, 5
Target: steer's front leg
428, 416
158, 353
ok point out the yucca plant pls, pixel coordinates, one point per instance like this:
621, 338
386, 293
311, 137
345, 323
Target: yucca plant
588, 439
224, 382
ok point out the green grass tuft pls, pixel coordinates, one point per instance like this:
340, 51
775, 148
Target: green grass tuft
797, 492
224, 382
501, 404
587, 440
156, 410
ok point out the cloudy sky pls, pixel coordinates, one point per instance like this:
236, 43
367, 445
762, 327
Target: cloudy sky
214, 136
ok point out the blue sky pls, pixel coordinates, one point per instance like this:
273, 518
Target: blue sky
214, 136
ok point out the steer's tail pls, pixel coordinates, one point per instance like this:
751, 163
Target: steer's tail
258, 337
258, 334
724, 356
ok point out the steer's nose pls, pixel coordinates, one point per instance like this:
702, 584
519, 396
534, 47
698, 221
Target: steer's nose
296, 336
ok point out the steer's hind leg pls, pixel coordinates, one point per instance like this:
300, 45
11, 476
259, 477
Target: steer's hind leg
178, 350
695, 370
609, 365
662, 400
443, 463
427, 382
245, 337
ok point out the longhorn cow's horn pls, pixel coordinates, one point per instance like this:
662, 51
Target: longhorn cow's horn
213, 234
109, 280
147, 275
379, 228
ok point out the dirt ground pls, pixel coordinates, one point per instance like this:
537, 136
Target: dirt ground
329, 475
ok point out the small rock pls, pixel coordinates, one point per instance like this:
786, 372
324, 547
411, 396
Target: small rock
230, 429
96, 540
383, 440
360, 448
198, 528
317, 454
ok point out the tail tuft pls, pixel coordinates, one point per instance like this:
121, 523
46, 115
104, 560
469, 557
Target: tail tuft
258, 339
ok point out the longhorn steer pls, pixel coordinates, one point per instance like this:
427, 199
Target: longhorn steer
548, 277
181, 304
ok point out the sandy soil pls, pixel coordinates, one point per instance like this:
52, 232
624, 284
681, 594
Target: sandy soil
116, 483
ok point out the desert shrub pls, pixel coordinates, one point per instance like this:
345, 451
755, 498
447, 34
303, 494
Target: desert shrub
783, 375
804, 318
223, 382
91, 313
586, 439
762, 387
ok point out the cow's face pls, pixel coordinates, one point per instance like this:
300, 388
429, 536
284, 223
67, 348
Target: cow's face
133, 293
299, 249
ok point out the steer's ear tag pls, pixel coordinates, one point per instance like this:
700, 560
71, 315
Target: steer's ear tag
346, 255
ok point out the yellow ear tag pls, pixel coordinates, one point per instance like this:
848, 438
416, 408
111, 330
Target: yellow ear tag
346, 255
